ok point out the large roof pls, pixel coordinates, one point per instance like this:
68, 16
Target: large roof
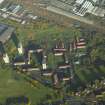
5, 32
1, 1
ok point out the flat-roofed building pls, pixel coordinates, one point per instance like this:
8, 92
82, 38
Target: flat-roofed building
47, 72
2, 51
63, 4
19, 61
6, 58
1, 1
6, 32
29, 68
82, 7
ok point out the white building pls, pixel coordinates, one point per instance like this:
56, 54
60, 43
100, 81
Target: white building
1, 1
20, 48
44, 63
6, 58
82, 7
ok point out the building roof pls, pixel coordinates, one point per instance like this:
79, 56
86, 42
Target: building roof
19, 61
2, 51
1, 1
29, 68
5, 32
47, 72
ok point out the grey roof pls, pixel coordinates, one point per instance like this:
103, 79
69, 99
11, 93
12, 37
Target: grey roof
5, 32
2, 51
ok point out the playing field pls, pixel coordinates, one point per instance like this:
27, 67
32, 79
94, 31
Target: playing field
12, 85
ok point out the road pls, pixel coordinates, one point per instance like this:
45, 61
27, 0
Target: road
70, 15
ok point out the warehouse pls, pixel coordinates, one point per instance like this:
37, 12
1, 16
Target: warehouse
1, 1
5, 32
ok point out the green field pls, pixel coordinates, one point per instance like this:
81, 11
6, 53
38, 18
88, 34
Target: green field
12, 85
83, 76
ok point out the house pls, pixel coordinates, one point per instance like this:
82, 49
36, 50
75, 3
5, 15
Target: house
6, 32
66, 59
64, 74
6, 58
3, 54
64, 66
32, 48
71, 47
44, 61
58, 53
59, 49
19, 61
20, 48
47, 72
29, 68
55, 79
79, 43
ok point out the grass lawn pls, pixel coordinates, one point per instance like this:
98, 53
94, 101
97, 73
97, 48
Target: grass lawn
85, 75
9, 87
53, 60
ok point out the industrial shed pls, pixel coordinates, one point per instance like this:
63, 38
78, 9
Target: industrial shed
5, 32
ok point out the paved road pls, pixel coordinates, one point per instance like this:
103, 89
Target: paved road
70, 15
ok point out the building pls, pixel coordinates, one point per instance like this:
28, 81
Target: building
29, 68
20, 48
3, 54
1, 1
64, 74
5, 32
47, 72
55, 79
44, 61
19, 61
81, 7
63, 4
59, 49
6, 58
2, 50
79, 43
64, 66
32, 48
